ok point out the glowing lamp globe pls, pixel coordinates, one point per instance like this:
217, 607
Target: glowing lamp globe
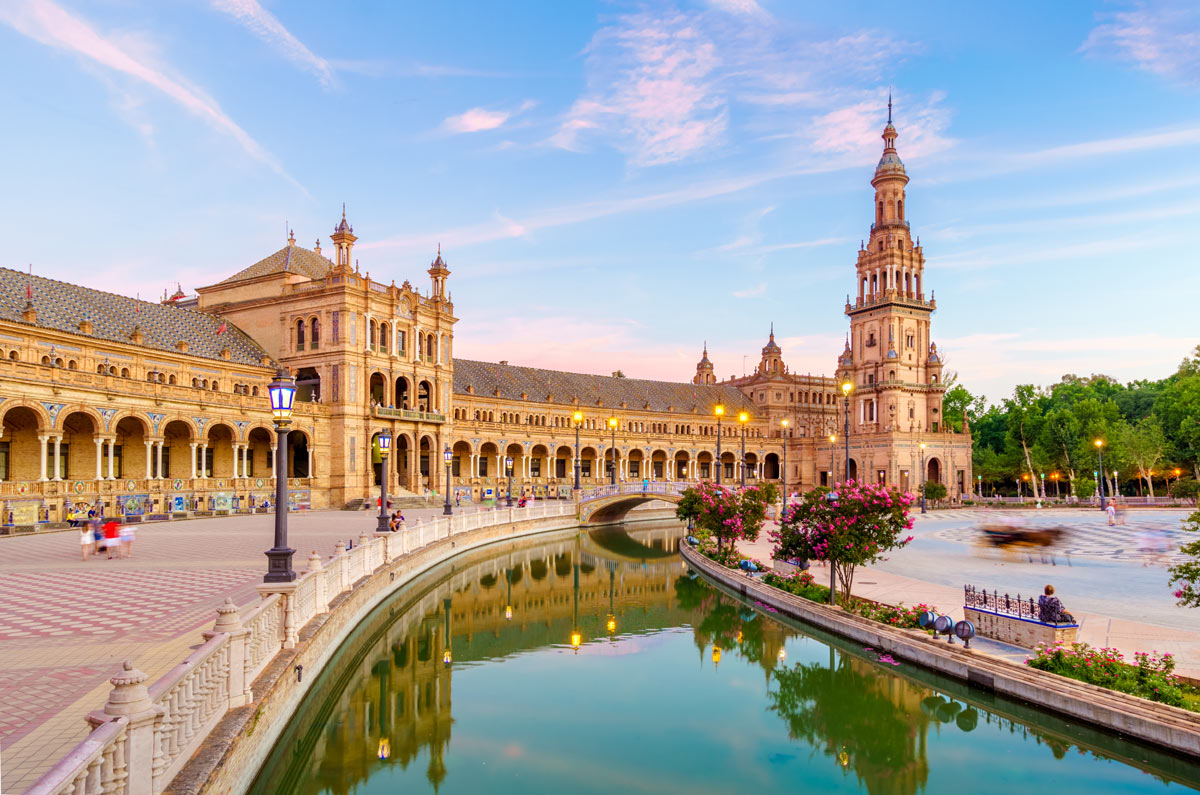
283, 393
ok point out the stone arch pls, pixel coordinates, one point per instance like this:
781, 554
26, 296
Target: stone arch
314, 332
372, 333
178, 435
403, 393
425, 396
487, 461
43, 418
683, 459
385, 332
461, 452
260, 457
219, 435
308, 385
376, 389
933, 470
428, 461
853, 467
658, 464
101, 425
22, 425
771, 469
80, 428
587, 462
299, 453
562, 462
132, 432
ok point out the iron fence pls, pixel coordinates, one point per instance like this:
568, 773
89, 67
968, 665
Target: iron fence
995, 602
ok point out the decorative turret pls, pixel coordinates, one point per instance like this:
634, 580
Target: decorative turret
437, 274
704, 369
343, 240
772, 357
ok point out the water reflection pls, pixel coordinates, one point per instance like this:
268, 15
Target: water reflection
598, 623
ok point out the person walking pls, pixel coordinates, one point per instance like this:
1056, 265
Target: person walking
86, 540
126, 537
1112, 514
111, 538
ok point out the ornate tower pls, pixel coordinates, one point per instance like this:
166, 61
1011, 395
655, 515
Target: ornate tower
343, 240
437, 274
704, 370
771, 362
890, 358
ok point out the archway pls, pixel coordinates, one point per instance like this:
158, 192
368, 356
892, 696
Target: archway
853, 470
658, 465
261, 442
728, 467
79, 454
587, 463
635, 468
299, 455
562, 463
308, 383
682, 459
219, 463
376, 460
376, 391
134, 456
177, 450
425, 396
401, 453
704, 470
402, 393
934, 474
20, 449
771, 468
425, 463
751, 466
460, 462
539, 462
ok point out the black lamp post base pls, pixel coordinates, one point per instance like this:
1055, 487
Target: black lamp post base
279, 565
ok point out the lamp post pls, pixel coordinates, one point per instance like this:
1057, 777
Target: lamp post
385, 446
449, 456
578, 418
784, 422
279, 558
612, 425
743, 418
922, 446
719, 410
832, 459
979, 480
508, 471
1100, 479
847, 388
1043, 476
832, 498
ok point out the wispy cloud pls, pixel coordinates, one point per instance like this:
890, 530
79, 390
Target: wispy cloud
663, 87
1159, 37
855, 128
481, 119
48, 24
387, 67
751, 292
266, 26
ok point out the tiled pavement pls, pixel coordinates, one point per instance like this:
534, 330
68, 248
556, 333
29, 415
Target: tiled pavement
67, 624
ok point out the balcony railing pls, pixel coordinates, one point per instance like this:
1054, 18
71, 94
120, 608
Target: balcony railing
388, 413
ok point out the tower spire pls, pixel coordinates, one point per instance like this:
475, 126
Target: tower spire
889, 106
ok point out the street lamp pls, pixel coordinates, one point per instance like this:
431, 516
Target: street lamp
784, 422
832, 460
1100, 452
449, 456
385, 446
922, 446
508, 471
1043, 476
279, 558
832, 498
578, 417
743, 418
847, 388
612, 425
719, 410
1054, 477
979, 480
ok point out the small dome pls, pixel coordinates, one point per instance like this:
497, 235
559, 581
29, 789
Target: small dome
889, 164
892, 354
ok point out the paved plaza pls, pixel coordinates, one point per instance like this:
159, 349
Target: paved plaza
68, 624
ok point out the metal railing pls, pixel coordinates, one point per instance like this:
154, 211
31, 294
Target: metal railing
994, 602
387, 412
145, 735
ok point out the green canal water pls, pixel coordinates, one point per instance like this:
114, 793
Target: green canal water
469, 680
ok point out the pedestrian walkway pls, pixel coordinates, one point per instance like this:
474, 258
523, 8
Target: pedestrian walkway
68, 624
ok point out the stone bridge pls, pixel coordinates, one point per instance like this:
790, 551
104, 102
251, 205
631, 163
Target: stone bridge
606, 504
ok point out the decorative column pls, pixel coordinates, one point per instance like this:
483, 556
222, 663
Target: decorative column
58, 457
43, 439
247, 459
193, 446
308, 453
149, 459
112, 456
204, 459
161, 474
99, 460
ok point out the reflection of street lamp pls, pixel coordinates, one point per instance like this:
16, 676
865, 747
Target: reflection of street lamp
612, 424
847, 388
447, 656
743, 418
385, 445
1100, 452
719, 410
1054, 477
716, 655
782, 655
578, 418
576, 635
508, 470
279, 558
508, 600
449, 456
611, 624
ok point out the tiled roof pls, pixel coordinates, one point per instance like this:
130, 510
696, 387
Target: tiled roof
563, 388
62, 306
296, 259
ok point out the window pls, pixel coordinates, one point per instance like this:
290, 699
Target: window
535, 468
400, 342
454, 466
206, 464
3, 460
299, 335
63, 458
585, 469
483, 466
315, 325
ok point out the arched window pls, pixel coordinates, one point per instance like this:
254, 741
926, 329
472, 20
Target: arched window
46, 360
879, 214
99, 367
372, 335
299, 335
254, 391
431, 348
71, 365
385, 334
13, 355
899, 209
315, 337
214, 385
170, 379
124, 372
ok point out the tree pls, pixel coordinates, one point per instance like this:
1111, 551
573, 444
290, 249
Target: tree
957, 404
726, 514
857, 524
1060, 437
935, 491
1186, 574
1024, 424
1144, 443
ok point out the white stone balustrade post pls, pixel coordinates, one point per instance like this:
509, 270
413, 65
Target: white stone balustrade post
229, 621
130, 699
364, 541
339, 560
322, 582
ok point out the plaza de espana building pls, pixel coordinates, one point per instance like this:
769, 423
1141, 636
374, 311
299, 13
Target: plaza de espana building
158, 408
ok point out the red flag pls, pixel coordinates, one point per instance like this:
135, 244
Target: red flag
221, 328
28, 292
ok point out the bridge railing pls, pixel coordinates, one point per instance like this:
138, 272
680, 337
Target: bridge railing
666, 487
145, 735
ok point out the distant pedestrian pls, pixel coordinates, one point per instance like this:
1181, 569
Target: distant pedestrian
126, 537
86, 541
1112, 514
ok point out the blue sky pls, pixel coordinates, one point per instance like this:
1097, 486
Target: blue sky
614, 183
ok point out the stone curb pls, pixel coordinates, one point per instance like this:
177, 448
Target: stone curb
1175, 729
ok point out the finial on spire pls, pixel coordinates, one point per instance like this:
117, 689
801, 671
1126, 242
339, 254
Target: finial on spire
706, 347
889, 106
772, 329
344, 204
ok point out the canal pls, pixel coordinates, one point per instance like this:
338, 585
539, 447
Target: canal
594, 662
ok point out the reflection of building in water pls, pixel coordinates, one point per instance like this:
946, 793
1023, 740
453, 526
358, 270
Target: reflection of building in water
390, 696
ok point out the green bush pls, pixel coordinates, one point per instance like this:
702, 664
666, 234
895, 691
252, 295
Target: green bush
804, 585
1152, 677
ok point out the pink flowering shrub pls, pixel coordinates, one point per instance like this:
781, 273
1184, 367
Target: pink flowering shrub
1152, 676
860, 526
726, 514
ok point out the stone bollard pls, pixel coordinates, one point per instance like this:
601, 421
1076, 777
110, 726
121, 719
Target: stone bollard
229, 621
130, 699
